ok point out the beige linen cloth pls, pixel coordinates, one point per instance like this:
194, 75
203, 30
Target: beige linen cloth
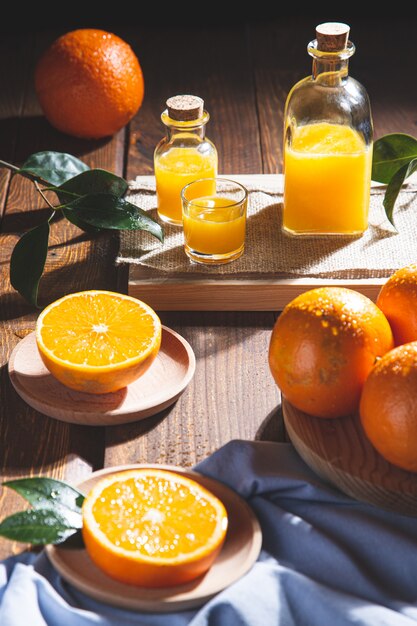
270, 252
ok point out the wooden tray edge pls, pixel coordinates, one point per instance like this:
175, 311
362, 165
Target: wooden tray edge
235, 295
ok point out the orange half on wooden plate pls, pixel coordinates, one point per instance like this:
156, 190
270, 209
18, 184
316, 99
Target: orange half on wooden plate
153, 527
98, 341
238, 554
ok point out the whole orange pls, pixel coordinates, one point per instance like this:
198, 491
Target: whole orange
323, 347
398, 300
388, 407
89, 83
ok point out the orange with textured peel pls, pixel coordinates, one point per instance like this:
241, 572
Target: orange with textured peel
89, 83
388, 407
398, 301
153, 527
98, 341
323, 346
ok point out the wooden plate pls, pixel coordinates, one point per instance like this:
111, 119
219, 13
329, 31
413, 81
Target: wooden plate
339, 451
239, 553
157, 389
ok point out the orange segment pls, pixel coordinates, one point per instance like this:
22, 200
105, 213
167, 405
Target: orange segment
98, 341
152, 527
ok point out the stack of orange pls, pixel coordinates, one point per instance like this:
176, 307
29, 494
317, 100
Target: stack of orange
388, 406
332, 353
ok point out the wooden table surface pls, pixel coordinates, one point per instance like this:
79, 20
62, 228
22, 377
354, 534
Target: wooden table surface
243, 71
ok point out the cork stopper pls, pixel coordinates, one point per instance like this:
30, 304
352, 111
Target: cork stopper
332, 36
185, 108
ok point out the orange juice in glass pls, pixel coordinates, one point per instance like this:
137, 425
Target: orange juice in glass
327, 180
184, 155
215, 224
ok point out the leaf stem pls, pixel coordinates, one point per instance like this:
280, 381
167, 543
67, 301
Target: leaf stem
63, 191
51, 206
18, 170
9, 166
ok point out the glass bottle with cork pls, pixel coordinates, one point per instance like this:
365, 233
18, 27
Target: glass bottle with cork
327, 143
184, 155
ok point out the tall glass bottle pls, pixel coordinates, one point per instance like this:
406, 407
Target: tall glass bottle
327, 143
184, 155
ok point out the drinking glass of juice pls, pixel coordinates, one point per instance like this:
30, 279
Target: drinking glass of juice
214, 223
184, 155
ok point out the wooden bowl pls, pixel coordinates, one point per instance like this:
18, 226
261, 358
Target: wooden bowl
158, 388
340, 453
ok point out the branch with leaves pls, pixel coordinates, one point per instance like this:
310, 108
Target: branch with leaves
92, 199
394, 160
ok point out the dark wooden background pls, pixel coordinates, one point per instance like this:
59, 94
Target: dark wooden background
243, 69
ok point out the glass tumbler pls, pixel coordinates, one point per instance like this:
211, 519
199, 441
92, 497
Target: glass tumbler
214, 223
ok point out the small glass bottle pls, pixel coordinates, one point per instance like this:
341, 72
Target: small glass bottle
327, 143
184, 155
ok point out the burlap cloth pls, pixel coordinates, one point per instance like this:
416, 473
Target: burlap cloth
268, 251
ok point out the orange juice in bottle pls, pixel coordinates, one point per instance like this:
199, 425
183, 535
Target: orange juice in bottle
328, 143
184, 155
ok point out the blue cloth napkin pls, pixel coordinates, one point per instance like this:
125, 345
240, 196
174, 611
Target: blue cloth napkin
327, 560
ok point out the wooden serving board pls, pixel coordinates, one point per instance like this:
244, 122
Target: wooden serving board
255, 291
339, 452
193, 293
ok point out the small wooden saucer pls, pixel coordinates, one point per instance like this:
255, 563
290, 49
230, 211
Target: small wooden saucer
239, 553
339, 451
157, 389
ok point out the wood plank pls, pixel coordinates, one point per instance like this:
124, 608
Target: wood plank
279, 60
386, 76
216, 407
30, 443
14, 52
231, 396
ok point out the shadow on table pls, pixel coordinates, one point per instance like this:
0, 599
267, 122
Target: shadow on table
12, 307
35, 134
213, 332
30, 441
272, 428
68, 269
123, 433
269, 251
19, 222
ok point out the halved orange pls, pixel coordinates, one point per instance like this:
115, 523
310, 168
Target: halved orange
153, 527
98, 341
